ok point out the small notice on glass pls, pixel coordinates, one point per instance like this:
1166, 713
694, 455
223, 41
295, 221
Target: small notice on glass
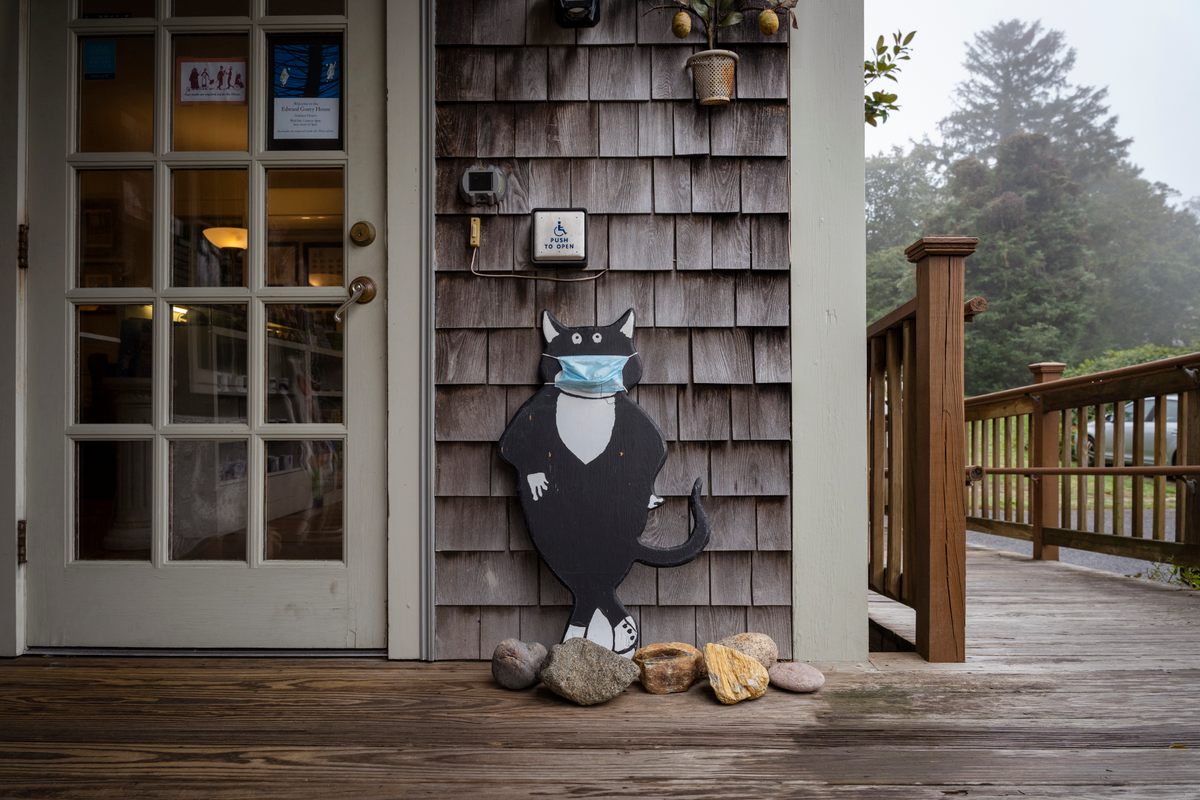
212, 80
306, 92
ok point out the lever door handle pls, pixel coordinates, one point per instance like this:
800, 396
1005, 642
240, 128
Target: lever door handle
362, 291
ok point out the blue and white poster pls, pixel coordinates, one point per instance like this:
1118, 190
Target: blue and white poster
306, 92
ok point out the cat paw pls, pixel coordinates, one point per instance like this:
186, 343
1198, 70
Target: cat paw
625, 637
655, 501
537, 484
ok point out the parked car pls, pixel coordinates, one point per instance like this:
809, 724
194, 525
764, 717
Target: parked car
1148, 438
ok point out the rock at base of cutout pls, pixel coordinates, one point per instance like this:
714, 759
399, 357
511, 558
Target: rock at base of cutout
516, 664
734, 675
587, 673
669, 667
796, 676
759, 646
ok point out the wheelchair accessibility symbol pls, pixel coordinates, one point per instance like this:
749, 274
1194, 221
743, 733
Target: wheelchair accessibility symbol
559, 230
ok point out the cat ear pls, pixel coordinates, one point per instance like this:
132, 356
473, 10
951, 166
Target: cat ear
625, 324
551, 327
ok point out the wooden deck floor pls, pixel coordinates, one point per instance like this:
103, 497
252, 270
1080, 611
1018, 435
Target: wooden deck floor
1078, 685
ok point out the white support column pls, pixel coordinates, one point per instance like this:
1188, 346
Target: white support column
828, 300
12, 339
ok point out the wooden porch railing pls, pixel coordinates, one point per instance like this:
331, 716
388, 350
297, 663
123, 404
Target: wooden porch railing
1107, 462
916, 447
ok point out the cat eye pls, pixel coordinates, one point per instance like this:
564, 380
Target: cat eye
596, 338
576, 338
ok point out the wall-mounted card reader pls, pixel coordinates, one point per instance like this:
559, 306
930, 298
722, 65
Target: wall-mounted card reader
558, 236
482, 186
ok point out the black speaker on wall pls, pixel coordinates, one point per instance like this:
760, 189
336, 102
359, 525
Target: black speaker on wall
576, 13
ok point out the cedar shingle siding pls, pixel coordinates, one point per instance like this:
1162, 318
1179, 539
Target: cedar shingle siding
689, 210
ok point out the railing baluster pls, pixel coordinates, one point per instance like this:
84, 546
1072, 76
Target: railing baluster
911, 406
1008, 505
996, 502
984, 450
1065, 461
1137, 503
1097, 460
1045, 452
1160, 457
896, 477
1022, 422
1119, 461
1188, 443
877, 434
1081, 493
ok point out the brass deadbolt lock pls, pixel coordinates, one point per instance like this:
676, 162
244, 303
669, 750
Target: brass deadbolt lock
362, 233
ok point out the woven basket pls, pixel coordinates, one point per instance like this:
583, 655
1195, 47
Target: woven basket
712, 74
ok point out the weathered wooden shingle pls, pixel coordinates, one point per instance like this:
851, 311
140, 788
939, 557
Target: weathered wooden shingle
667, 525
521, 73
640, 586
500, 22
540, 27
551, 591
619, 73
545, 625
762, 299
750, 468
769, 242
764, 186
762, 412
669, 624
704, 413
748, 128
618, 129
535, 183
641, 242
686, 461
672, 186
497, 126
556, 129
774, 518
466, 301
690, 122
469, 413
747, 31
618, 24
715, 185
470, 523
693, 242
497, 623
513, 356
518, 532
772, 579
612, 186
573, 303
460, 356
617, 292
732, 521
486, 579
731, 243
693, 299
454, 22
776, 622
452, 253
762, 73
457, 130
685, 585
466, 73
772, 356
661, 404
568, 73
731, 576
456, 632
722, 355
504, 478
655, 135
714, 623
462, 469
669, 75
654, 27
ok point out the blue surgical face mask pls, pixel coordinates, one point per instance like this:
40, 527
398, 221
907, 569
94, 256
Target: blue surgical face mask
591, 374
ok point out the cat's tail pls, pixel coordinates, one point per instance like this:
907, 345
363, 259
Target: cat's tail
683, 553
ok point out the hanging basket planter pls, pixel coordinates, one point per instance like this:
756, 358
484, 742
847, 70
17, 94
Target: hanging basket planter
712, 75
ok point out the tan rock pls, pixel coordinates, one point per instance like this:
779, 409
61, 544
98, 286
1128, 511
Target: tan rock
796, 676
669, 666
734, 675
759, 646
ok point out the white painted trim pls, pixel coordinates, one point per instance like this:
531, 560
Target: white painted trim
828, 334
409, 331
13, 28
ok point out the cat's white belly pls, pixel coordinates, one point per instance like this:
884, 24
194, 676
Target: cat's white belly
585, 425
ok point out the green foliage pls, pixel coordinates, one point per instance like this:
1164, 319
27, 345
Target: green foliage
1188, 577
883, 63
1130, 356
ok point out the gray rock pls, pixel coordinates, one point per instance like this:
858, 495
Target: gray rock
586, 673
516, 664
796, 676
759, 646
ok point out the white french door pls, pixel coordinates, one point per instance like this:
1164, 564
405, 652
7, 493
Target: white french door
206, 435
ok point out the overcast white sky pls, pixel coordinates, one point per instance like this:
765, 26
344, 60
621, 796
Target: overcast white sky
1139, 50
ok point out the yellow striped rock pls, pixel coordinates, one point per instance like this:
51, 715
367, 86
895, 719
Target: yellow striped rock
734, 676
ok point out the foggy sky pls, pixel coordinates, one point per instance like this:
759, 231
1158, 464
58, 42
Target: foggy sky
1139, 50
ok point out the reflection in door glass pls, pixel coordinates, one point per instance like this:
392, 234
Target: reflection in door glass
304, 227
116, 94
208, 500
113, 500
210, 85
115, 228
304, 364
114, 358
209, 236
304, 500
208, 363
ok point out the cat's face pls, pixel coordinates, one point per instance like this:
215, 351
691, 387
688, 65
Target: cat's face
607, 340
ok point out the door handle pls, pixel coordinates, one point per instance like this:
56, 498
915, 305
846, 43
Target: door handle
362, 291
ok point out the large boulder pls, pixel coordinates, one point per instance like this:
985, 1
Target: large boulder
759, 646
516, 664
734, 675
669, 666
587, 673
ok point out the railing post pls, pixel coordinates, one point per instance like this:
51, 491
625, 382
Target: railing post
939, 547
1043, 452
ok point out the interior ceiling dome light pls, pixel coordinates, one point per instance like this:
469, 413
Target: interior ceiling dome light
226, 238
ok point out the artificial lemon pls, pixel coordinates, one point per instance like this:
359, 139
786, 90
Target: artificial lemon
681, 26
768, 22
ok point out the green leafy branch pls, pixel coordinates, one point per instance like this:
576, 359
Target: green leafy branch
883, 63
712, 15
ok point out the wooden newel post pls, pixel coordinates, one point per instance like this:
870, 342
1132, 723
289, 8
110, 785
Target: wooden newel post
939, 549
1043, 452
